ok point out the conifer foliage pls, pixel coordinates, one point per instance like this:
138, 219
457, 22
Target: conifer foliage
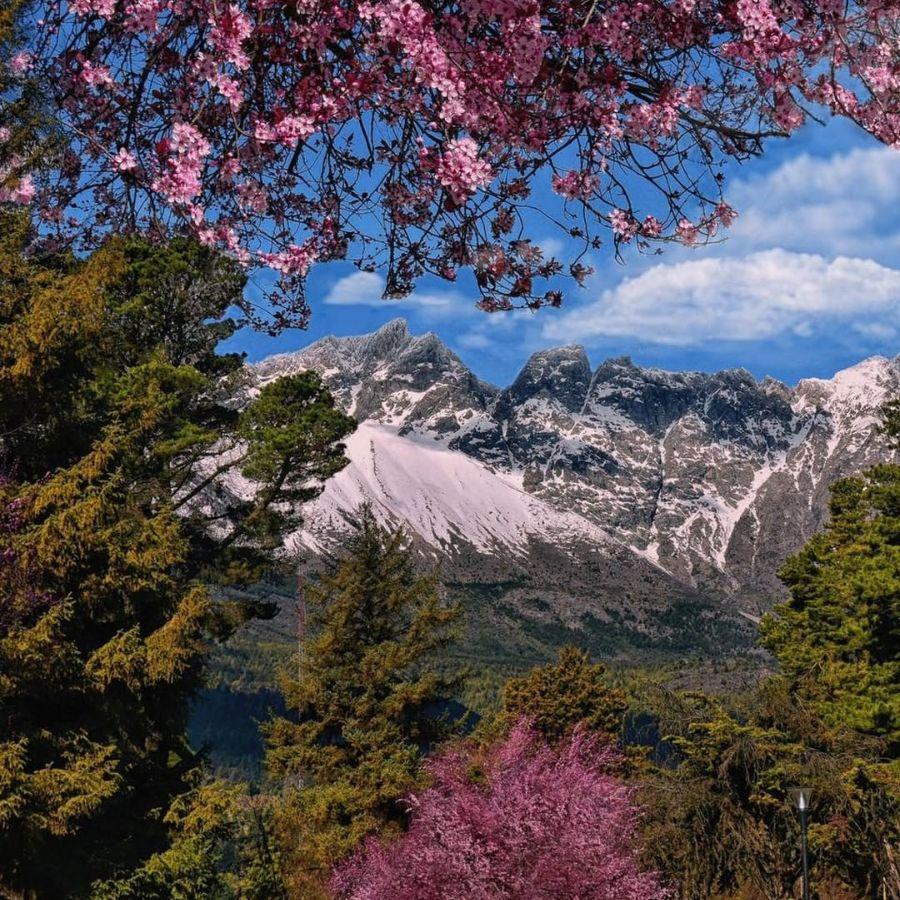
559, 696
114, 521
830, 719
368, 698
837, 636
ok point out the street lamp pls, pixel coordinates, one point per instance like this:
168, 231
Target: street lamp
800, 796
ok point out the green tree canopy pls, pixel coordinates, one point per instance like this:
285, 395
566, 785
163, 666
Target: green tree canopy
368, 701
837, 637
122, 444
720, 819
558, 696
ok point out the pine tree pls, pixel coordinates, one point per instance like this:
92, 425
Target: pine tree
558, 696
118, 435
721, 819
837, 636
367, 698
220, 848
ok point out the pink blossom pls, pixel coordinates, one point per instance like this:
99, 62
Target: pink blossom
687, 232
624, 224
294, 128
651, 227
230, 89
104, 8
295, 260
96, 76
21, 62
143, 15
124, 161
183, 156
725, 214
324, 102
883, 80
253, 196
787, 113
536, 824
460, 169
757, 16
575, 185
22, 194
230, 30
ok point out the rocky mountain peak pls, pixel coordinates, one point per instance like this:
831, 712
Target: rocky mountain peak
387, 342
713, 477
562, 374
866, 383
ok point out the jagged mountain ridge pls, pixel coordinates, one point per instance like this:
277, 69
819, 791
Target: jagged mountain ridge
708, 480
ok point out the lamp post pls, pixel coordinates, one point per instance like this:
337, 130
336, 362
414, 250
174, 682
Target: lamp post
800, 796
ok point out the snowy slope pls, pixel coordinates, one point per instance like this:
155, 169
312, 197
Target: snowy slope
714, 478
444, 496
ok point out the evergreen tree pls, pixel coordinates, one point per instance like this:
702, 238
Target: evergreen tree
118, 436
558, 696
721, 822
220, 848
368, 702
837, 637
721, 818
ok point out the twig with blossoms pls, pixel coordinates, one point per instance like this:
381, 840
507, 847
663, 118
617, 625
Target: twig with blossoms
414, 134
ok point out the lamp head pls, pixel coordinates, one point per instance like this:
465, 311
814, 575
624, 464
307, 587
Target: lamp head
801, 796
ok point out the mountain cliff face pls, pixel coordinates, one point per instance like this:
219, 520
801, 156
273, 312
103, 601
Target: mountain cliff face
607, 488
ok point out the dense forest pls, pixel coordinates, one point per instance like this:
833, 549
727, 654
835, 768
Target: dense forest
144, 510
389, 770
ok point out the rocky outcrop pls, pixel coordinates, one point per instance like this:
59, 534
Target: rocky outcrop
702, 482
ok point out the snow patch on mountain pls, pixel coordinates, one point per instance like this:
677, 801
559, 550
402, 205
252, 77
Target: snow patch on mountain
442, 495
716, 478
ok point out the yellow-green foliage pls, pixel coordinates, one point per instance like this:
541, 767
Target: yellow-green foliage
558, 696
720, 819
219, 848
366, 703
110, 428
837, 636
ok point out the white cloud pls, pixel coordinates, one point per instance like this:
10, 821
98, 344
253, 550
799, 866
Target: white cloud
367, 289
844, 204
474, 340
357, 289
815, 247
756, 297
552, 246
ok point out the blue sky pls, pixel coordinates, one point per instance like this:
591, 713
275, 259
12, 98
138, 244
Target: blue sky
807, 282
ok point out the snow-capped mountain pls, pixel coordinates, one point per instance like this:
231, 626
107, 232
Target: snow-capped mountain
702, 482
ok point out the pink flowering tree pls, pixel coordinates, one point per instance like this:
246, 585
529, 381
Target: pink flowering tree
534, 822
18, 126
426, 136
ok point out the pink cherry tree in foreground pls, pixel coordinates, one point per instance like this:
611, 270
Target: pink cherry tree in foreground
534, 822
425, 136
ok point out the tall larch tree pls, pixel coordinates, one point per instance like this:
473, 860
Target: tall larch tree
837, 636
558, 696
830, 719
